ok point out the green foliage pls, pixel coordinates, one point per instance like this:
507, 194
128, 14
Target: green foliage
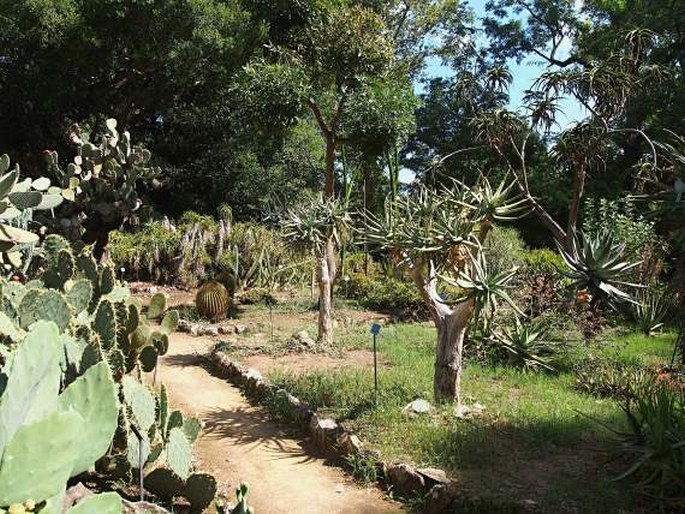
527, 345
629, 227
651, 308
504, 249
81, 421
307, 227
612, 376
655, 440
384, 293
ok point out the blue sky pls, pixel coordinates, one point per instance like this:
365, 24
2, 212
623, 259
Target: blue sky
524, 75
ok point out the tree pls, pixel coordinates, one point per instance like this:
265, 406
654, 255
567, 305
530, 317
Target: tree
310, 227
437, 237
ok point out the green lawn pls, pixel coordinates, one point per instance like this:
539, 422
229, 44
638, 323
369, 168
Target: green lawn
537, 438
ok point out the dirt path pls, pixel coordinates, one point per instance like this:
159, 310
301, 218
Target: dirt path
241, 443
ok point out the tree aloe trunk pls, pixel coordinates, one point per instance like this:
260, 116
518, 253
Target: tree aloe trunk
451, 324
451, 327
325, 304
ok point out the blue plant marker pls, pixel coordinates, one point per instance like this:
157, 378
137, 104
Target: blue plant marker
375, 330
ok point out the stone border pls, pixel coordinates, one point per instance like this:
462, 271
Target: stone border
441, 493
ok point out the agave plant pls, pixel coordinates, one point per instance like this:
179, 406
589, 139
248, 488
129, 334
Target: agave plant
650, 309
596, 264
526, 345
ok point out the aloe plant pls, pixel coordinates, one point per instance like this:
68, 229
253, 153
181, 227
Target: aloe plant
526, 345
596, 264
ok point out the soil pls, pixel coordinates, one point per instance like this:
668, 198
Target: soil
240, 443
303, 362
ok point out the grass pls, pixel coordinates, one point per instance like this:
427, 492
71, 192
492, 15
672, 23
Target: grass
537, 438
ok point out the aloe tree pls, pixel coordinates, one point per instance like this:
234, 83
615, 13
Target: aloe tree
312, 226
436, 237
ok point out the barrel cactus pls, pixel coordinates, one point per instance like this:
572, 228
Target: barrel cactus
213, 301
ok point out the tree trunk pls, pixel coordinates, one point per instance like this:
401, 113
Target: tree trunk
574, 210
451, 330
325, 336
329, 186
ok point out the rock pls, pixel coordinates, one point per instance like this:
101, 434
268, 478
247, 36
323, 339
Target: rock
350, 444
239, 329
253, 374
417, 407
322, 430
153, 290
211, 331
184, 325
441, 498
464, 411
74, 495
433, 476
195, 330
405, 479
304, 339
142, 508
225, 330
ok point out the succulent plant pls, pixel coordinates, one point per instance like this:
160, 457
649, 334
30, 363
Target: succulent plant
103, 181
241, 507
17, 199
213, 301
596, 264
81, 421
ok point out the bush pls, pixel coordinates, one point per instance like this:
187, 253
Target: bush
199, 248
256, 295
540, 279
384, 293
526, 345
504, 249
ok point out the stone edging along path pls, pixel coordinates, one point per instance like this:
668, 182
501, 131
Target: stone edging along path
403, 479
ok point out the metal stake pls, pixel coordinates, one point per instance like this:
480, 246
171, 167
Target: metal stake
375, 330
141, 462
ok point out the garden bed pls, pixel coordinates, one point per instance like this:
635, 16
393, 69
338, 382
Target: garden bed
536, 445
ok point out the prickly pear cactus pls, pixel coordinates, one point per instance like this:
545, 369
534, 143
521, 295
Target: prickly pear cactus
241, 507
81, 421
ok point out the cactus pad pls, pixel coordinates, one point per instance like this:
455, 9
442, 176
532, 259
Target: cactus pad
44, 305
200, 490
94, 397
80, 294
140, 401
35, 466
179, 453
105, 503
164, 484
148, 359
158, 305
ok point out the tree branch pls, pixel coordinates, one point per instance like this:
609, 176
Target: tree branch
319, 118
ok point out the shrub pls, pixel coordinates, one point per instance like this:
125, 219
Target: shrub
650, 309
256, 295
504, 249
540, 279
384, 293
